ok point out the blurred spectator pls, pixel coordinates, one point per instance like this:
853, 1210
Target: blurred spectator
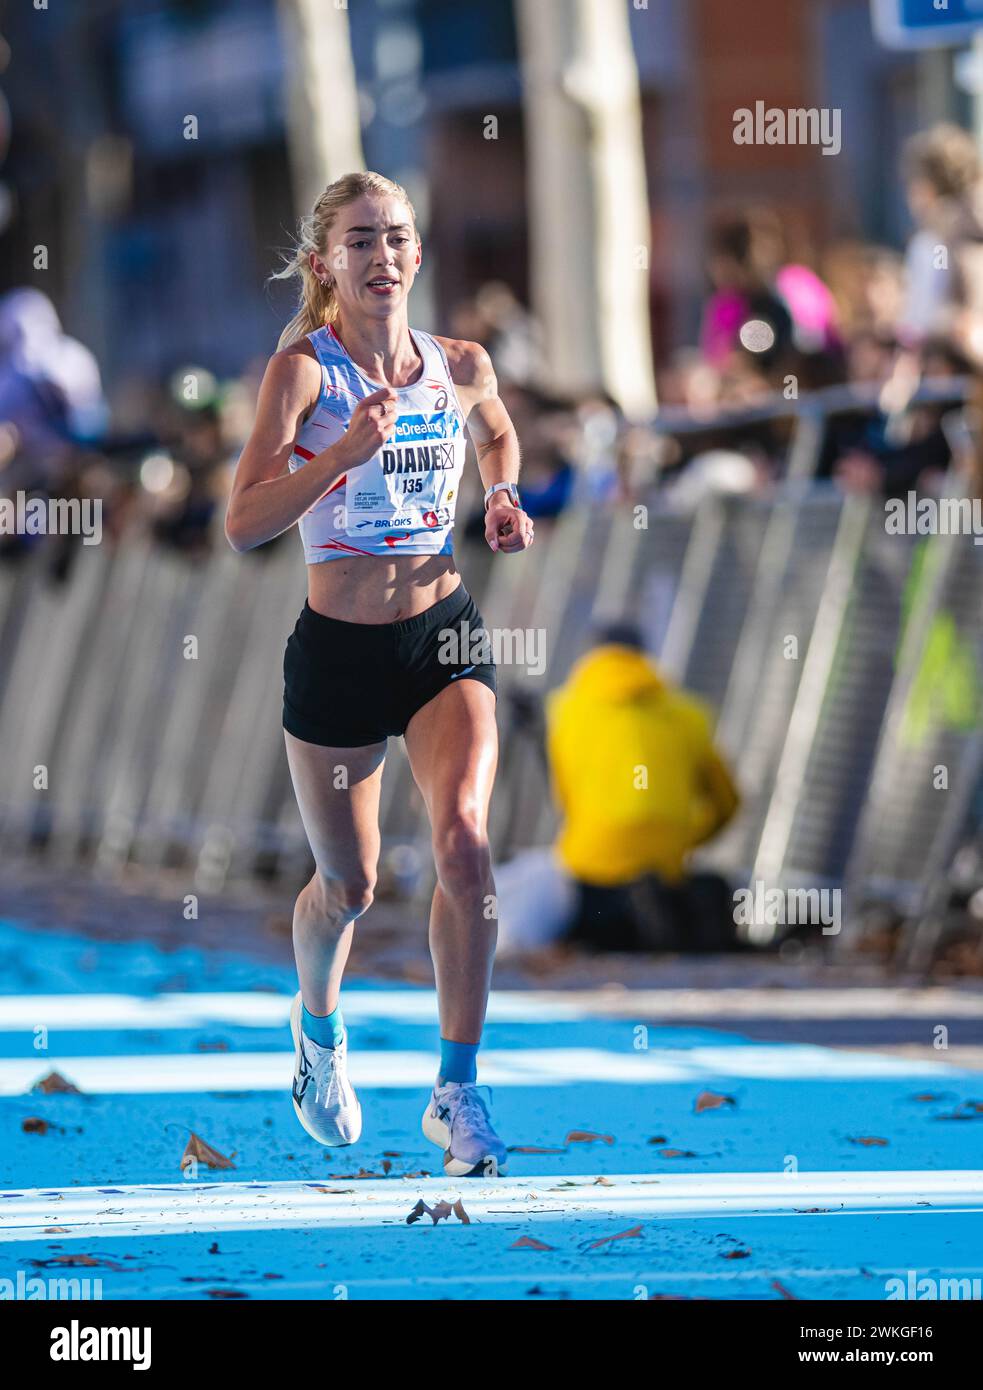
599, 428
185, 504
639, 784
690, 381
780, 316
550, 454
944, 259
897, 446
550, 437
868, 286
496, 319
870, 357
51, 397
717, 472
741, 268
813, 310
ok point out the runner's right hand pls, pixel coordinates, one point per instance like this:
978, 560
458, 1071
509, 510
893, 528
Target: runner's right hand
372, 422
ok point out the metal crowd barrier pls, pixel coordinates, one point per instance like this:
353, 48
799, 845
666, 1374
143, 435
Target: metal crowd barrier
148, 687
766, 672
929, 758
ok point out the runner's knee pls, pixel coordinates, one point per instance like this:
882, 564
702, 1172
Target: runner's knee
462, 856
357, 895
340, 900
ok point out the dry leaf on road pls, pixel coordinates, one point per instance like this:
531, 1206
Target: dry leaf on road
709, 1100
203, 1153
529, 1243
622, 1235
55, 1084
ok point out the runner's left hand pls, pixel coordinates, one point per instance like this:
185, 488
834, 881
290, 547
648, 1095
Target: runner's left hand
508, 528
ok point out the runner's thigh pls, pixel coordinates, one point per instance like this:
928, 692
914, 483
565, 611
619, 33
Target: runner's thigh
337, 791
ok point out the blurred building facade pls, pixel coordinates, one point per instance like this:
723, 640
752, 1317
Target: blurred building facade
167, 228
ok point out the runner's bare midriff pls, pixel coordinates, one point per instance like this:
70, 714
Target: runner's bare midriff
371, 589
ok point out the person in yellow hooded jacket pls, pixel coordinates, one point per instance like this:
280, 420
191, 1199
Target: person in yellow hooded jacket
638, 783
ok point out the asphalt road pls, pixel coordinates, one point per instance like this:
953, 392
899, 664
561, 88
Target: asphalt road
660, 1146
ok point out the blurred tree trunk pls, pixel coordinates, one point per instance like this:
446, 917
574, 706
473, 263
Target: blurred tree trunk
323, 127
588, 207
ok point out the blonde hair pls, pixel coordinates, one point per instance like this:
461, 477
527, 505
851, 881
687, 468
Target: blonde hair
318, 305
945, 155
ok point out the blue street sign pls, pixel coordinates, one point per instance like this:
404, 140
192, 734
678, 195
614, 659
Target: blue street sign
926, 23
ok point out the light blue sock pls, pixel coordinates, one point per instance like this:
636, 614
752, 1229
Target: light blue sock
327, 1030
458, 1061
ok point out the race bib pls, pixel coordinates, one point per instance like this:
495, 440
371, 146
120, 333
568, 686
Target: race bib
411, 483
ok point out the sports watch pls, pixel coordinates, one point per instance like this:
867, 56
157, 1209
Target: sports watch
511, 488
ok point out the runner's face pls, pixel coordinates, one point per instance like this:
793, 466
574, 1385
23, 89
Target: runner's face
373, 255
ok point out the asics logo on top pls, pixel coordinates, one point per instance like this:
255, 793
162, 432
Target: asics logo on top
302, 1081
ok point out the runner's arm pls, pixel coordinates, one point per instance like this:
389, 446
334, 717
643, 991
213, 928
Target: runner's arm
492, 432
266, 499
507, 528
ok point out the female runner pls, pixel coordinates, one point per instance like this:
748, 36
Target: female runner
359, 438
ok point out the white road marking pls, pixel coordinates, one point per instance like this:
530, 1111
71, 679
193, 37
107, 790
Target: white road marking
265, 1009
193, 1073
145, 1210
250, 1009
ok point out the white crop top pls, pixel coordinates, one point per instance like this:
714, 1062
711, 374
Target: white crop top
402, 500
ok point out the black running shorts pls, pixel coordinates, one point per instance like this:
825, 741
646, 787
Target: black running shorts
351, 684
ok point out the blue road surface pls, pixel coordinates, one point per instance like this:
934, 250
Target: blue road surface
818, 1173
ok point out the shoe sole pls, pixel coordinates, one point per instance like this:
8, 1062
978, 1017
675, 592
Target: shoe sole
295, 1009
438, 1133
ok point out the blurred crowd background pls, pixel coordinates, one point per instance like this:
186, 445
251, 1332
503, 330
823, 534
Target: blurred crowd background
156, 248
157, 155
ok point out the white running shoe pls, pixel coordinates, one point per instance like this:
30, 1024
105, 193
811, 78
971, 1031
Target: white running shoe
324, 1099
457, 1120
